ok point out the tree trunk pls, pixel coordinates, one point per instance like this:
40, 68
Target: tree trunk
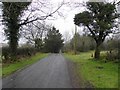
13, 41
97, 51
13, 48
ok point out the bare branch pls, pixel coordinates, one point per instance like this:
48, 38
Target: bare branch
42, 17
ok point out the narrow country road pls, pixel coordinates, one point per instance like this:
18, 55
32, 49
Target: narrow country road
50, 72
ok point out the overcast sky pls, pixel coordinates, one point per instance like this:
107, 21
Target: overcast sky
64, 24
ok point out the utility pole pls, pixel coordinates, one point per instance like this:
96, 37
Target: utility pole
75, 41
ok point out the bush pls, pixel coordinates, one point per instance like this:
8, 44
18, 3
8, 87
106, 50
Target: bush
5, 54
26, 51
112, 55
21, 52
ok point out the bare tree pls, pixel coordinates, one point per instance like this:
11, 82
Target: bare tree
40, 10
17, 14
34, 32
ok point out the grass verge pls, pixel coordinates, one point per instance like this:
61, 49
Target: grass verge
98, 73
9, 69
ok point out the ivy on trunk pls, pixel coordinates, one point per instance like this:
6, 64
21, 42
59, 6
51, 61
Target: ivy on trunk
12, 12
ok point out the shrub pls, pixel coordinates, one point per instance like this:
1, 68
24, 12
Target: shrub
5, 54
21, 52
112, 55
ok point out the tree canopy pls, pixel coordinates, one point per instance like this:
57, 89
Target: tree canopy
53, 41
99, 20
12, 12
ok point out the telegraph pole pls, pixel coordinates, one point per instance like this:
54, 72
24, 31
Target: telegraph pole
75, 41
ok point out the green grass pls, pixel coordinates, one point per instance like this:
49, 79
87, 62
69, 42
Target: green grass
107, 77
8, 69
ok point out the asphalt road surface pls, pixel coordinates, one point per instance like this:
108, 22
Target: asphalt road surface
50, 72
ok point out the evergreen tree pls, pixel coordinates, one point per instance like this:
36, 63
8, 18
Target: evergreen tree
53, 41
99, 19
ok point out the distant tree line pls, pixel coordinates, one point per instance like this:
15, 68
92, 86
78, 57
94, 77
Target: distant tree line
85, 43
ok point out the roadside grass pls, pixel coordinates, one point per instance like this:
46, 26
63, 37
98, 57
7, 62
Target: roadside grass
98, 73
9, 69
